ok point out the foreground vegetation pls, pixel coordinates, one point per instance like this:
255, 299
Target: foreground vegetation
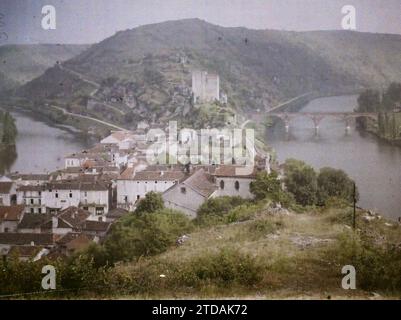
235, 248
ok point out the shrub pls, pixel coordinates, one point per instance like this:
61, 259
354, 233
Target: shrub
153, 201
334, 183
144, 235
301, 181
378, 267
213, 210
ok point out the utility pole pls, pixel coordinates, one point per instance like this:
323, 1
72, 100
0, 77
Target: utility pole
354, 211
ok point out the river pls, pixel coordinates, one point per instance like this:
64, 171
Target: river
374, 164
40, 146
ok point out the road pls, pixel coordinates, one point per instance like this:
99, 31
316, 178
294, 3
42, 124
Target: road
88, 118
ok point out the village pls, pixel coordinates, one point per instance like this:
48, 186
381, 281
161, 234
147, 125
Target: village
61, 212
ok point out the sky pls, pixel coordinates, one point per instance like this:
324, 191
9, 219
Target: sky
90, 21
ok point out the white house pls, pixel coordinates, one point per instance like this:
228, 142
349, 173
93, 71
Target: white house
31, 197
230, 182
91, 196
10, 217
8, 193
134, 185
189, 195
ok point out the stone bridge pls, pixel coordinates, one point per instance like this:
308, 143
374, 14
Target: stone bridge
317, 117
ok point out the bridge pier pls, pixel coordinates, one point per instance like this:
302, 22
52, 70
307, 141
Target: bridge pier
316, 121
347, 124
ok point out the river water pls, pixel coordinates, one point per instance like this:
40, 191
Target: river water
374, 164
40, 146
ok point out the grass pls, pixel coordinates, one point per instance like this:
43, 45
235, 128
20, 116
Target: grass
283, 256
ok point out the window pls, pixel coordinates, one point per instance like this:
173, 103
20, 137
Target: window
221, 184
137, 197
40, 210
183, 190
40, 201
99, 210
32, 210
31, 201
5, 230
236, 185
70, 194
85, 194
125, 198
86, 208
155, 181
40, 193
56, 195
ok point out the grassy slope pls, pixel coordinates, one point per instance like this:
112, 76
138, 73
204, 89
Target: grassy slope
294, 267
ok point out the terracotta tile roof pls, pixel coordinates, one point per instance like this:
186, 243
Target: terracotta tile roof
159, 175
5, 186
116, 213
79, 243
27, 238
25, 251
230, 171
31, 188
33, 220
89, 184
74, 216
96, 226
11, 213
34, 176
201, 182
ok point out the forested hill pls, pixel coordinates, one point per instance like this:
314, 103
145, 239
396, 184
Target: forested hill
257, 68
22, 63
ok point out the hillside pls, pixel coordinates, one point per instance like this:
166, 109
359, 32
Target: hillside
145, 72
22, 63
274, 254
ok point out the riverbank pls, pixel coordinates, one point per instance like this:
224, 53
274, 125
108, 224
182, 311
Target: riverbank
371, 162
371, 126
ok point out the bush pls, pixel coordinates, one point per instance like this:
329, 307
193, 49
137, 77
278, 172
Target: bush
144, 235
334, 183
301, 181
214, 210
152, 202
377, 267
266, 186
223, 269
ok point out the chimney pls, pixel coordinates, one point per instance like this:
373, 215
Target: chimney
54, 222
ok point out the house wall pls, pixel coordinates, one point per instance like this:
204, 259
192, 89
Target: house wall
32, 200
10, 226
229, 187
187, 202
128, 191
72, 162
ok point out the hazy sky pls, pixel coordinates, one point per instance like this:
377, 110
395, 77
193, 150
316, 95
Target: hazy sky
88, 21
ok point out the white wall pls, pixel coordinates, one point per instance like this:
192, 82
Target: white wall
229, 187
131, 189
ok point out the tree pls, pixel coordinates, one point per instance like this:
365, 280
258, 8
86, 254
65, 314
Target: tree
153, 201
266, 186
301, 181
369, 101
144, 235
9, 129
334, 183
